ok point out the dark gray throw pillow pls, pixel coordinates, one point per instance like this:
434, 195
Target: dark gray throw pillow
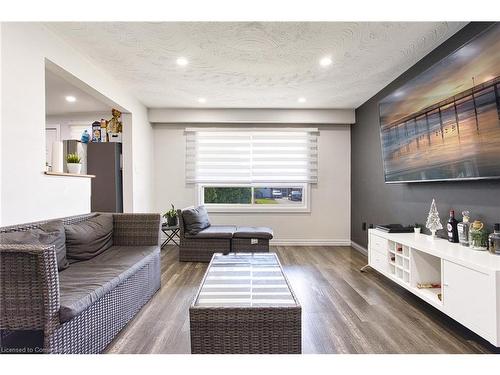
89, 238
195, 219
51, 233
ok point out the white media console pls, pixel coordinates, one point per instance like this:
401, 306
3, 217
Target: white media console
470, 279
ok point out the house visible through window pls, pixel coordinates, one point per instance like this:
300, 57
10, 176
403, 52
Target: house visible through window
252, 169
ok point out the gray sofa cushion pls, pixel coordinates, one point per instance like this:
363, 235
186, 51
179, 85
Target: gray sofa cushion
50, 233
85, 282
253, 232
195, 219
89, 238
214, 231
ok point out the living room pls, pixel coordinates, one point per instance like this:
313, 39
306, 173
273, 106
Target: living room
250, 185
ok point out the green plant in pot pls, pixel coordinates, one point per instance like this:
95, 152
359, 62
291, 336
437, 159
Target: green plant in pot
417, 228
73, 161
171, 216
478, 236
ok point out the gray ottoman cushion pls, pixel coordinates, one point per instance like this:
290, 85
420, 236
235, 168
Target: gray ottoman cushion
253, 232
214, 231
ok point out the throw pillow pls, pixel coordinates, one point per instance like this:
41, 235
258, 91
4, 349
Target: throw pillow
89, 238
195, 219
51, 233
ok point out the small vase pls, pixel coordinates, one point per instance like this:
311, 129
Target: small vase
172, 221
417, 230
74, 168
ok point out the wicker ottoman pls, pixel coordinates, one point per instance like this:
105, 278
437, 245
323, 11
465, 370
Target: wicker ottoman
251, 239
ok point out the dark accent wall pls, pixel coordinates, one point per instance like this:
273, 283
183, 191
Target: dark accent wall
375, 202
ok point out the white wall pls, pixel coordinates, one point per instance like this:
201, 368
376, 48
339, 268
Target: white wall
329, 219
26, 193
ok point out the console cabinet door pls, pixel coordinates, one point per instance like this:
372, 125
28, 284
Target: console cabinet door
468, 297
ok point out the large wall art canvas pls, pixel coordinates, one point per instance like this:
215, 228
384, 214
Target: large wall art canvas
445, 123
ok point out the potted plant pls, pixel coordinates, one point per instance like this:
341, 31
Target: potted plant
478, 236
74, 163
171, 216
417, 228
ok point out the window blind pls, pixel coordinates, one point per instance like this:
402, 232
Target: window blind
251, 155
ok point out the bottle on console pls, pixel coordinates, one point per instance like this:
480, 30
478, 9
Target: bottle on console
452, 227
463, 229
494, 240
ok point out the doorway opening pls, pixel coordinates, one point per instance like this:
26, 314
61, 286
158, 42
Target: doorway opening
84, 137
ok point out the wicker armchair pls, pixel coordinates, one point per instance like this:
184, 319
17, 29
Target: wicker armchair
199, 250
221, 239
30, 293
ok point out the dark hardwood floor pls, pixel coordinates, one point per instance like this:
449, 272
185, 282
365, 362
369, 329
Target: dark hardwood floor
343, 310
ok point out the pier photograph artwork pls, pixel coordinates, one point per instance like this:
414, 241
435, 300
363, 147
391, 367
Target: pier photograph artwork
445, 123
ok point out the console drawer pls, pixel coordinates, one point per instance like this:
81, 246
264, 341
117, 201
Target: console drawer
378, 244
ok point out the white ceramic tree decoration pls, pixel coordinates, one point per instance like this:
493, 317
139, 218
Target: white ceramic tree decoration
433, 221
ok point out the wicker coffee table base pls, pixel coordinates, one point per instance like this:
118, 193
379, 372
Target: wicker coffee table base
253, 330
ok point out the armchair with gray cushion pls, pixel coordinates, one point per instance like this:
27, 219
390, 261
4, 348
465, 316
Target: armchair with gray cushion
54, 306
199, 239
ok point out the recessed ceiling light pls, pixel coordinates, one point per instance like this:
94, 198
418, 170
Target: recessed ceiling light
202, 100
325, 61
182, 61
302, 99
70, 99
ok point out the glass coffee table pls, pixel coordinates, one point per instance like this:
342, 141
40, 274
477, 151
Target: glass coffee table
245, 305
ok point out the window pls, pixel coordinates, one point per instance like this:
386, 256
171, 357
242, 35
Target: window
260, 198
252, 169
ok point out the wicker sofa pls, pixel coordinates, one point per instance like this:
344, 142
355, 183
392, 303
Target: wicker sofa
33, 293
221, 239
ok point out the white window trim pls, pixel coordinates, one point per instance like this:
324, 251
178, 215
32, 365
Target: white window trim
246, 208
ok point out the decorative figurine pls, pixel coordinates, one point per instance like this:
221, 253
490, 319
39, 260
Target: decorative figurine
114, 122
115, 127
85, 136
433, 221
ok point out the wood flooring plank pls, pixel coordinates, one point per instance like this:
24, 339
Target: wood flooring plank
343, 310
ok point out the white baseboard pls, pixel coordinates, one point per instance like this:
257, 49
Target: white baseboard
361, 249
302, 242
308, 242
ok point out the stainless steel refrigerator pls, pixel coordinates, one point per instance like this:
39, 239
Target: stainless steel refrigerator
104, 160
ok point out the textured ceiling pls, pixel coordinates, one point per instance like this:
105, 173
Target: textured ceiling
255, 64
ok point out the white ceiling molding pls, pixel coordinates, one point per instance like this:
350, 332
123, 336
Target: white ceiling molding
255, 64
251, 116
